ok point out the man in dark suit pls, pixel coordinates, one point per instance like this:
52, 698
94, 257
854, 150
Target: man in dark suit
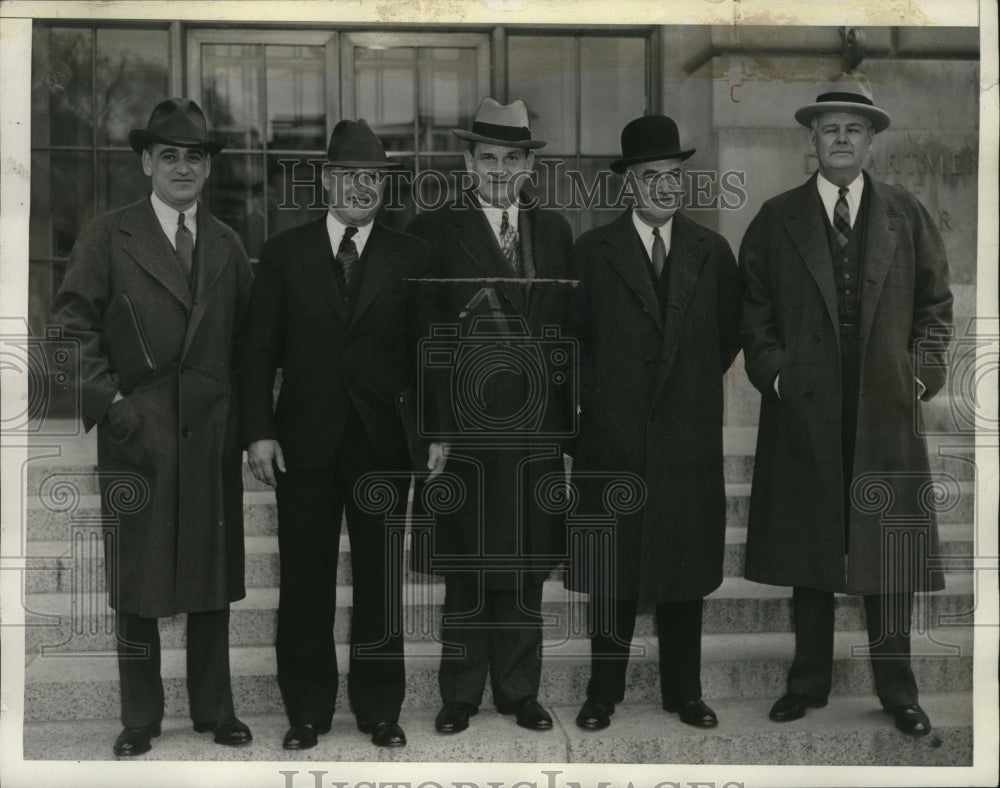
842, 278
156, 293
656, 314
503, 266
336, 306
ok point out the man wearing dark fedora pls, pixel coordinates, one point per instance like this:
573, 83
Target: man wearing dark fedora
337, 307
156, 293
503, 266
656, 314
843, 276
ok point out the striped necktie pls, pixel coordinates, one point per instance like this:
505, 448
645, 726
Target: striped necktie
509, 243
842, 218
347, 255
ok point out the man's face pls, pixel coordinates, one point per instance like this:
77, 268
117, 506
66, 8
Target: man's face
355, 195
660, 187
178, 174
841, 140
498, 171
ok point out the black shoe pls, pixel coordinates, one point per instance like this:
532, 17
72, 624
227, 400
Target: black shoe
230, 732
385, 734
693, 712
595, 715
135, 741
792, 706
911, 720
304, 736
529, 714
454, 717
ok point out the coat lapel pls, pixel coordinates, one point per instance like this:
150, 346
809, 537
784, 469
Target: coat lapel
626, 257
211, 259
314, 255
478, 241
380, 261
880, 249
807, 229
148, 246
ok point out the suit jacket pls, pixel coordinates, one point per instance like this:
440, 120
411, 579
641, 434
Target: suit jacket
506, 402
333, 362
648, 461
182, 451
790, 326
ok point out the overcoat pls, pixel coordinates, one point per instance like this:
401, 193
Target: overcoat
500, 524
652, 407
789, 325
180, 550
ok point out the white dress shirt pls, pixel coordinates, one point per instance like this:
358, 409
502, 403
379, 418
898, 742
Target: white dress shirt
335, 229
494, 216
167, 217
829, 193
646, 233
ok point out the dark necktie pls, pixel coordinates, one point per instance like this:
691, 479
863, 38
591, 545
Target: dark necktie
347, 255
184, 241
509, 240
842, 218
659, 252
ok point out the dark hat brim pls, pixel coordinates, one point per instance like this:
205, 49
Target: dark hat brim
879, 117
365, 165
470, 136
140, 139
619, 165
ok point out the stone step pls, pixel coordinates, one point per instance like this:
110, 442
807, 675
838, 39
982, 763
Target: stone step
50, 521
748, 666
737, 606
50, 563
851, 731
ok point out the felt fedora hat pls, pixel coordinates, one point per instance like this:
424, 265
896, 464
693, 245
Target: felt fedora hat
501, 124
650, 138
175, 121
353, 144
848, 93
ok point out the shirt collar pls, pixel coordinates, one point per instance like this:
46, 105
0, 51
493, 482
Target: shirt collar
494, 215
829, 193
335, 229
646, 230
168, 215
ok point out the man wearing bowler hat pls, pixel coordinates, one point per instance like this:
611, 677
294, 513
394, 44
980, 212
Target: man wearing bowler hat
503, 265
843, 276
656, 313
156, 294
336, 306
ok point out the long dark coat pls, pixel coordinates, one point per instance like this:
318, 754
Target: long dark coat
652, 407
789, 325
501, 524
183, 550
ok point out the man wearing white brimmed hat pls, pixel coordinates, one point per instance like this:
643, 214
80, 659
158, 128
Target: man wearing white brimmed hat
503, 264
156, 293
336, 306
844, 280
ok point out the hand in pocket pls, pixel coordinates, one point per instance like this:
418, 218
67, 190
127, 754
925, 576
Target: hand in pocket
123, 419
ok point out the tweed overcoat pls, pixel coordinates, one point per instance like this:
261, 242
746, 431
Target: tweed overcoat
182, 549
789, 325
652, 408
501, 525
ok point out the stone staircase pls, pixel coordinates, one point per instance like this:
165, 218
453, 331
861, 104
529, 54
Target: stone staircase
71, 686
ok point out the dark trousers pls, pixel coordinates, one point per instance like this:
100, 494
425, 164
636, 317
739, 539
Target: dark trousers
490, 631
888, 620
611, 624
311, 504
210, 693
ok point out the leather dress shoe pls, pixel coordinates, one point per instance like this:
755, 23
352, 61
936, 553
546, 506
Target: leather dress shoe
304, 736
792, 706
135, 740
454, 717
384, 734
911, 720
693, 712
595, 715
230, 732
529, 714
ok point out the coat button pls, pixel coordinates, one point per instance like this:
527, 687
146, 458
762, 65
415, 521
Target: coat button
178, 305
808, 393
186, 432
650, 362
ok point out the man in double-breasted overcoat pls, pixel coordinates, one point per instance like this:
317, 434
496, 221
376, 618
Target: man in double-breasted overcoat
845, 283
156, 293
656, 313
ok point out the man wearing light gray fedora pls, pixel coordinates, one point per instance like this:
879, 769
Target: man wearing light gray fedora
843, 276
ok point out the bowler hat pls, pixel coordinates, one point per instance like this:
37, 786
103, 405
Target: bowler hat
354, 144
850, 93
650, 138
175, 121
500, 124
